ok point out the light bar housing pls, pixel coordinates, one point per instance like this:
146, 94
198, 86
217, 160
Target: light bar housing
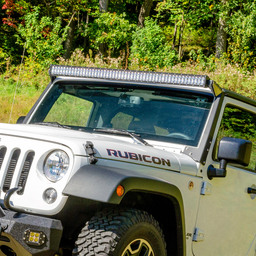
129, 75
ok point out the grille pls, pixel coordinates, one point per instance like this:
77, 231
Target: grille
10, 171
2, 154
11, 168
25, 171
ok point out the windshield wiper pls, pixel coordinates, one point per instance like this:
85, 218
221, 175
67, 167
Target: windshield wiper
123, 132
54, 124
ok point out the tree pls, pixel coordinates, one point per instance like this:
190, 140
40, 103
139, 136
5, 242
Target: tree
11, 17
144, 12
149, 47
71, 12
42, 36
241, 29
69, 43
111, 30
177, 14
103, 4
221, 40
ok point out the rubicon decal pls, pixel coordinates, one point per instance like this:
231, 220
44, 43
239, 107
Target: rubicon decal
138, 157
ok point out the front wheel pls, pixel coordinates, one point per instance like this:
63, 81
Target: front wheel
118, 232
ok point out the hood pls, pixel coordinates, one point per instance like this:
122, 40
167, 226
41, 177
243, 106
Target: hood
109, 148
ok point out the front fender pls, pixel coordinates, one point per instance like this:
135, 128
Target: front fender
99, 183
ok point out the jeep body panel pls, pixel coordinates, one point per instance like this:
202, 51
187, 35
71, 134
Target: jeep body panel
227, 209
39, 140
160, 177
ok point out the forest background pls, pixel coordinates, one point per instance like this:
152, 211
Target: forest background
213, 37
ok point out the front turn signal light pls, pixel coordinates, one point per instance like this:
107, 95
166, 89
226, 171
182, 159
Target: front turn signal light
120, 190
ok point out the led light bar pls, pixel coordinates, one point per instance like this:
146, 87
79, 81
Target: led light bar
129, 75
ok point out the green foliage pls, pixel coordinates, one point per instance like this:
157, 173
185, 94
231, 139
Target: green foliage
190, 27
196, 14
200, 58
149, 47
8, 87
129, 7
239, 123
67, 7
9, 51
111, 29
242, 31
42, 37
3, 58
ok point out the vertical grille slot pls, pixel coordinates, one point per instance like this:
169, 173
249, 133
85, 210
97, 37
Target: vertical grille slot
2, 155
11, 169
25, 172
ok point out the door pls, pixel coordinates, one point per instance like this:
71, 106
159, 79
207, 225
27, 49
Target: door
226, 222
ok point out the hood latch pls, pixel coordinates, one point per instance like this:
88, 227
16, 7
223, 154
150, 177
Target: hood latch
90, 151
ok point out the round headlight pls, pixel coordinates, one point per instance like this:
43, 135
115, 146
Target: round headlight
56, 165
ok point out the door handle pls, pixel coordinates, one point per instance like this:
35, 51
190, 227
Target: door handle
251, 190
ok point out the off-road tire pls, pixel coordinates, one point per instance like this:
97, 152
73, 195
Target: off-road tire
109, 233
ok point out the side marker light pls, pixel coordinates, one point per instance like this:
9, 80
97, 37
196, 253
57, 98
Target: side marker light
190, 185
120, 190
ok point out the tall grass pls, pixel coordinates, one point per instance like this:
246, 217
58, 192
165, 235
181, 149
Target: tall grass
22, 89
16, 99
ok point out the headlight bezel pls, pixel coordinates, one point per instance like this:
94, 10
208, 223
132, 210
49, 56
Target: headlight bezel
54, 170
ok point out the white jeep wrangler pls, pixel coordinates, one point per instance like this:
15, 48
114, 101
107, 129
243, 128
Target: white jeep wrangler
119, 163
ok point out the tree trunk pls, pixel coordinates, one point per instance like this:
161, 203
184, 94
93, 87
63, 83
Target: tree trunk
86, 39
174, 35
211, 41
103, 5
221, 41
69, 43
144, 12
180, 37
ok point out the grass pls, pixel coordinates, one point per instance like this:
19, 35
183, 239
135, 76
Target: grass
22, 105
21, 87
15, 99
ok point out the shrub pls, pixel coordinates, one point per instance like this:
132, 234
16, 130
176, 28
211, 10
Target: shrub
111, 29
201, 59
149, 47
43, 37
3, 59
242, 31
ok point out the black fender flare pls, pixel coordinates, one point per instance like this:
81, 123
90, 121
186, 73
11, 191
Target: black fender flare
99, 183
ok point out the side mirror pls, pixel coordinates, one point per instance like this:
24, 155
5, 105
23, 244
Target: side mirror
231, 150
20, 120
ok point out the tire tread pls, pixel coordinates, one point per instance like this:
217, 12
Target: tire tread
102, 233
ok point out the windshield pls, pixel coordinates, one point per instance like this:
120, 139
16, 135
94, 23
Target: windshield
162, 115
